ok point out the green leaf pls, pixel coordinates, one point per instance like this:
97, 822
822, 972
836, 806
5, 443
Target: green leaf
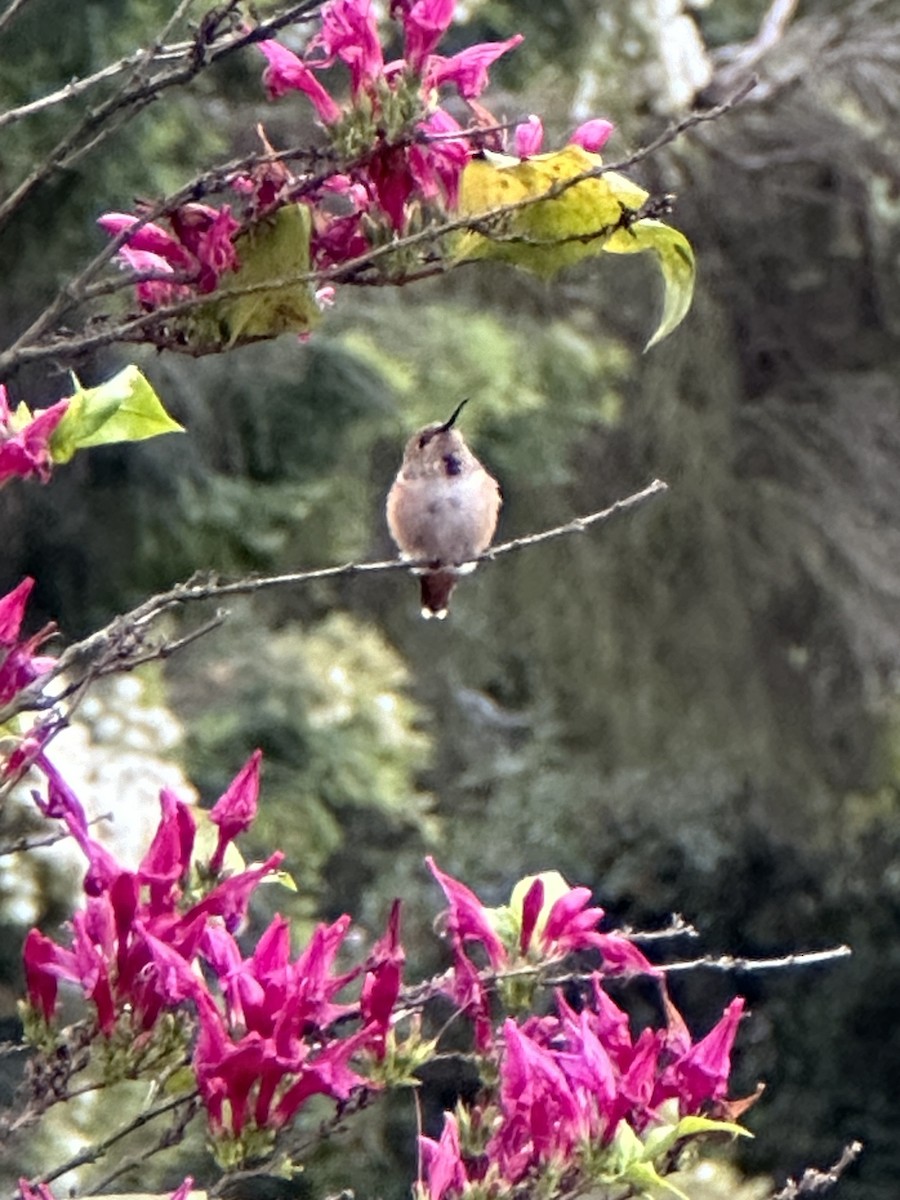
690, 1126
676, 261
277, 247
583, 219
549, 234
124, 409
661, 1138
644, 1176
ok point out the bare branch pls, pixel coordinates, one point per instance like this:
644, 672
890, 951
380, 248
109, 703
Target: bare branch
113, 639
26, 843
124, 643
140, 91
677, 927
12, 11
816, 1183
98, 1150
728, 962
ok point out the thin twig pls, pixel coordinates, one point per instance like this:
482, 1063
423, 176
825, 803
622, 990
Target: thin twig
10, 12
97, 1150
729, 962
168, 1138
816, 1183
677, 927
26, 843
131, 98
194, 590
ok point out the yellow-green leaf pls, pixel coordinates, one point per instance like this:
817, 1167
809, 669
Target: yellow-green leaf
124, 409
277, 247
676, 262
549, 234
691, 1126
570, 224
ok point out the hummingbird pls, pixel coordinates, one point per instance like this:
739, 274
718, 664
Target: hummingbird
442, 509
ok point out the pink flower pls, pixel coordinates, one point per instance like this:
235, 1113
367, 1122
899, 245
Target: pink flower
235, 811
442, 1162
168, 859
436, 162
286, 72
468, 70
40, 1191
424, 24
149, 238
230, 898
392, 181
381, 985
542, 1120
200, 250
467, 918
19, 665
570, 925
206, 233
700, 1076
528, 137
42, 959
592, 135
337, 233
349, 32
25, 444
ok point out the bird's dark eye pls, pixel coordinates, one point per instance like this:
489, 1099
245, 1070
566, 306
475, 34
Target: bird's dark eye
452, 463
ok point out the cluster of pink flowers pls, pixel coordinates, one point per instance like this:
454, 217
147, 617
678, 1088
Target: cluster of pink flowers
567, 1081
268, 1030
542, 934
401, 152
185, 261
25, 444
144, 946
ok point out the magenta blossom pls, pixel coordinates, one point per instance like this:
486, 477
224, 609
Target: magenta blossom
529, 137
468, 70
349, 32
235, 811
286, 72
25, 440
424, 24
591, 135
19, 665
381, 985
436, 161
198, 251
442, 1163
468, 919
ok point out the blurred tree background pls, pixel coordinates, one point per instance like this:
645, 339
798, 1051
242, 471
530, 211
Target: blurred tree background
693, 710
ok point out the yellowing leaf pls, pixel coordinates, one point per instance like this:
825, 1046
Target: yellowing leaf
549, 234
275, 248
676, 261
124, 409
571, 223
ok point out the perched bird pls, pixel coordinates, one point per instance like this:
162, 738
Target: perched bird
442, 510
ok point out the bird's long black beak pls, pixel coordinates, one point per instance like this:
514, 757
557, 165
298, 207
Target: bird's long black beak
449, 424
